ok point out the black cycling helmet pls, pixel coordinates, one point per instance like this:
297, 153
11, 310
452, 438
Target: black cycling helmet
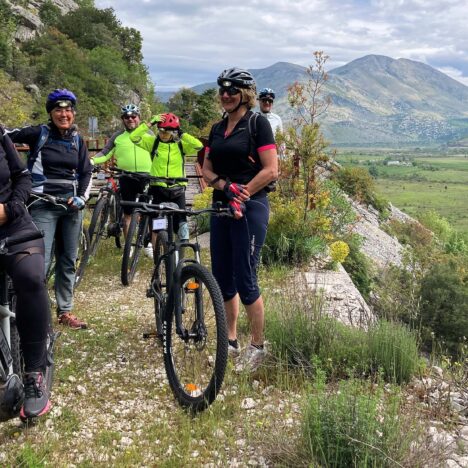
236, 77
266, 93
60, 98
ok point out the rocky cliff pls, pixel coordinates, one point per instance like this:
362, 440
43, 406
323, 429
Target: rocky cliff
28, 16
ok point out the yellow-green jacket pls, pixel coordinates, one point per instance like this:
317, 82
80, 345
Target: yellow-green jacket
168, 160
128, 156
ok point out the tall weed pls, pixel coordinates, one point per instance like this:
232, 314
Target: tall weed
356, 426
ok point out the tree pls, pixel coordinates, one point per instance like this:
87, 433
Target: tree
303, 140
183, 103
206, 111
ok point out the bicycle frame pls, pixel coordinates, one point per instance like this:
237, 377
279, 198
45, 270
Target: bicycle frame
5, 315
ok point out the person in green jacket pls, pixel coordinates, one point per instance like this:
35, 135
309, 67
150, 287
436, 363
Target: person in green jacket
168, 151
128, 156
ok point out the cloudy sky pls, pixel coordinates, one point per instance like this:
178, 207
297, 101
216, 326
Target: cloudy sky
188, 42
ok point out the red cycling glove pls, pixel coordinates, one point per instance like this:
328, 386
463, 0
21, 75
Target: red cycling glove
232, 190
237, 209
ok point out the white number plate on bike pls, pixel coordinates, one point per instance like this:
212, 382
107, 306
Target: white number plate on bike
159, 224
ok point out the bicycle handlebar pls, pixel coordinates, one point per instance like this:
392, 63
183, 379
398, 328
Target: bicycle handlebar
146, 176
18, 239
172, 209
51, 199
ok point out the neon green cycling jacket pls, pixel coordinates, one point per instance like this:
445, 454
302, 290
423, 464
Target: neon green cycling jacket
168, 161
128, 156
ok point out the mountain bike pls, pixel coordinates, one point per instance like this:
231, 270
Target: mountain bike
189, 311
106, 220
11, 363
83, 252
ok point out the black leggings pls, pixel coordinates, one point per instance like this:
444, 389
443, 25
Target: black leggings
32, 303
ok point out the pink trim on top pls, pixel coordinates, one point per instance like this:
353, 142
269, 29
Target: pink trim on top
207, 149
266, 147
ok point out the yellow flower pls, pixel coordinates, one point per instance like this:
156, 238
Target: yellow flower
339, 250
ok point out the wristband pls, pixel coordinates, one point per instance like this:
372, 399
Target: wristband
213, 181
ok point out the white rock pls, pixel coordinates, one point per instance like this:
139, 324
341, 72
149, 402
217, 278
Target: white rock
240, 443
219, 434
126, 441
81, 390
71, 378
248, 403
438, 371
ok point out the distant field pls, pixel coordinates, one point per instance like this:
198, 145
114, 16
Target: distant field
437, 183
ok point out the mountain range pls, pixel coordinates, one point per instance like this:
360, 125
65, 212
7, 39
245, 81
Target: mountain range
378, 100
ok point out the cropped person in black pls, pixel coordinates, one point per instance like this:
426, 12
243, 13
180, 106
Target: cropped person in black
239, 166
26, 269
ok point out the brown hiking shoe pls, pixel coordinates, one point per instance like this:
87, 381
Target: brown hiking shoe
71, 321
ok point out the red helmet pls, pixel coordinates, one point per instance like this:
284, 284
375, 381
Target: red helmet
171, 122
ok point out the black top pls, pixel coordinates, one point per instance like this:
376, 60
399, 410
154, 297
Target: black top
232, 156
58, 158
15, 185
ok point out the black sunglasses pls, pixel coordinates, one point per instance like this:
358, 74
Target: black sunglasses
231, 90
129, 116
270, 101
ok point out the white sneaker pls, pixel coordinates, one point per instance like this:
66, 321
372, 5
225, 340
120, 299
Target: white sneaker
233, 353
251, 359
149, 251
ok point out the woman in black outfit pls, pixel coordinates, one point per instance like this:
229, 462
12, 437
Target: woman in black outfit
241, 161
26, 269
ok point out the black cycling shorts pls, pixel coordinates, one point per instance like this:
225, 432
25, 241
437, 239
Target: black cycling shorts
129, 189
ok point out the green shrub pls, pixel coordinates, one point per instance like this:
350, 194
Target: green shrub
356, 426
200, 201
290, 239
359, 184
444, 305
302, 337
359, 267
393, 348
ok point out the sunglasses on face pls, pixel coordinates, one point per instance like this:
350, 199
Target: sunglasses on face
230, 90
129, 116
167, 130
268, 101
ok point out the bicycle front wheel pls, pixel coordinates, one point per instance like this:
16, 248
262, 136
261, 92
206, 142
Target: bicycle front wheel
136, 237
97, 226
195, 365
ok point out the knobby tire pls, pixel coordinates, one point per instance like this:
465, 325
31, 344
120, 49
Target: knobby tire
196, 370
136, 238
97, 226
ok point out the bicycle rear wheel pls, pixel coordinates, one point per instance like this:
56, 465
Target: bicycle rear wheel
82, 258
97, 226
137, 237
116, 214
196, 366
159, 282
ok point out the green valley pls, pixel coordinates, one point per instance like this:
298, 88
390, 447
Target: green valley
416, 181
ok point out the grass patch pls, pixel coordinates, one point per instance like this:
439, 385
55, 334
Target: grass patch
303, 338
358, 425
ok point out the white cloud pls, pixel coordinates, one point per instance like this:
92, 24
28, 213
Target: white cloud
187, 42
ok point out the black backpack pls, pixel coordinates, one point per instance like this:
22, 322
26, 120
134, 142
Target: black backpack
154, 150
252, 128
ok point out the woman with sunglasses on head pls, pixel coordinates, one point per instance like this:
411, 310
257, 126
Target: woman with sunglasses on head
128, 157
239, 166
60, 166
168, 151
